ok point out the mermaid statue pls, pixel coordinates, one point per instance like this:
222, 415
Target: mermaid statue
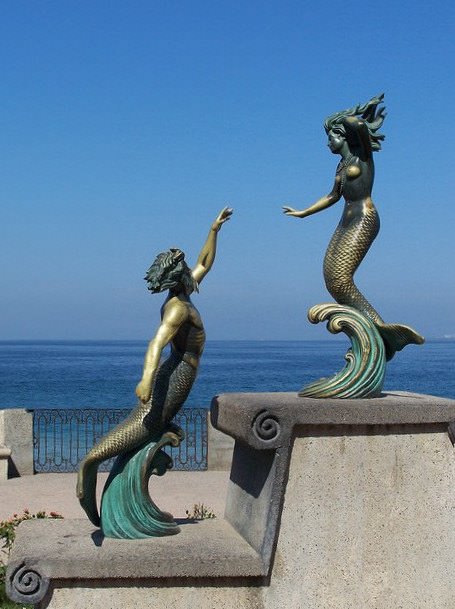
354, 135
162, 391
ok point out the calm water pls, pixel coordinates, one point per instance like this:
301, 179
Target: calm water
104, 374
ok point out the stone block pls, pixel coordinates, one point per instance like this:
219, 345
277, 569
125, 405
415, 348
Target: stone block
219, 450
16, 433
74, 553
5, 454
332, 504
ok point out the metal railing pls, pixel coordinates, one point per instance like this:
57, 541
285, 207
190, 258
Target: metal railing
62, 437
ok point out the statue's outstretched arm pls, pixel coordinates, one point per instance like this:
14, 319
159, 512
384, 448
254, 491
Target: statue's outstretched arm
208, 252
174, 316
320, 204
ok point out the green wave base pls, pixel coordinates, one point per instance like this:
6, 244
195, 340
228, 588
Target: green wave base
127, 510
363, 374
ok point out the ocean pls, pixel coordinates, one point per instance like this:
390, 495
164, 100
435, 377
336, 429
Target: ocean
103, 374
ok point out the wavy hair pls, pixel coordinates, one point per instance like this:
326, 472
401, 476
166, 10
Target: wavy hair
371, 115
168, 270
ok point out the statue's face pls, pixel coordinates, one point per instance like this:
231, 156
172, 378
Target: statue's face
336, 141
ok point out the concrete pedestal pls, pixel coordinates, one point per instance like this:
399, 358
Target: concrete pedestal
333, 504
16, 434
5, 454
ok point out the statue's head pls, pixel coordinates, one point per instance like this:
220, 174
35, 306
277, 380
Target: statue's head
337, 139
169, 271
371, 115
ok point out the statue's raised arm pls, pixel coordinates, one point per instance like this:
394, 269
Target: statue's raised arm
208, 252
360, 125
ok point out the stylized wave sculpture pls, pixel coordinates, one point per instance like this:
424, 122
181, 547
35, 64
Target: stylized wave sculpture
127, 510
363, 374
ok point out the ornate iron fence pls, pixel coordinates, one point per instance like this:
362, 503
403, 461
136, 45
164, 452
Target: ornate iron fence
62, 437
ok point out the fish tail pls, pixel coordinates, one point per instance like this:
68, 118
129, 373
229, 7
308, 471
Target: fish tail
345, 252
86, 490
126, 436
397, 336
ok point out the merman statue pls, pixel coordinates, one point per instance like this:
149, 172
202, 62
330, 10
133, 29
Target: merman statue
354, 135
162, 391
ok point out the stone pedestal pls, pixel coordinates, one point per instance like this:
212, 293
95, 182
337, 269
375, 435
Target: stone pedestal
16, 434
5, 454
333, 504
219, 449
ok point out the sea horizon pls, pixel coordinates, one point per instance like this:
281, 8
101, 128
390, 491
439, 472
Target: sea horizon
93, 373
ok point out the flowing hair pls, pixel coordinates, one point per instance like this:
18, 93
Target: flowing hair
371, 115
168, 270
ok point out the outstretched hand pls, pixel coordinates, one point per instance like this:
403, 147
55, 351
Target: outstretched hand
224, 215
290, 211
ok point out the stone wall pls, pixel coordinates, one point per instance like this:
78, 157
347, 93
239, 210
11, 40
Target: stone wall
16, 445
219, 450
5, 454
16, 434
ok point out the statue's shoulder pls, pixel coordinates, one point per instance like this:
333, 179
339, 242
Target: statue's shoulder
176, 311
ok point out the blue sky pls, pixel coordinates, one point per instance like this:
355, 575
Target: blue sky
126, 126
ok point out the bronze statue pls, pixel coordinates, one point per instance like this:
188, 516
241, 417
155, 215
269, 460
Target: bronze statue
353, 134
164, 387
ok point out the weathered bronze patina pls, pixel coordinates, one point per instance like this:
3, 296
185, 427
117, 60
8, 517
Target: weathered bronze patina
127, 510
354, 135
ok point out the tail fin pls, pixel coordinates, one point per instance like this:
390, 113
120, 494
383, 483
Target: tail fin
397, 336
86, 490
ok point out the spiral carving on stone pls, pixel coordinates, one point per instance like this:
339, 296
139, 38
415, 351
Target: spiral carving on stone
27, 585
266, 426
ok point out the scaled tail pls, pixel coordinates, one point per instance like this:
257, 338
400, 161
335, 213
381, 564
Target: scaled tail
86, 491
397, 336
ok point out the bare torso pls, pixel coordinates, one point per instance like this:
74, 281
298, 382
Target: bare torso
356, 186
189, 339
